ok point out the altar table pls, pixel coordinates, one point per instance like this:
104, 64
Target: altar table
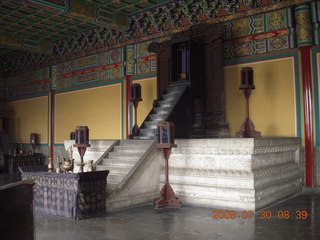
75, 196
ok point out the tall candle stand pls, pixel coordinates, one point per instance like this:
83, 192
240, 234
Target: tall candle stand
247, 85
166, 142
82, 142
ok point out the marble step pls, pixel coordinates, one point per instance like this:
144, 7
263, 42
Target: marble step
151, 124
175, 88
165, 103
144, 137
111, 186
115, 169
148, 132
118, 169
133, 142
125, 155
116, 161
158, 117
129, 149
170, 95
115, 178
162, 110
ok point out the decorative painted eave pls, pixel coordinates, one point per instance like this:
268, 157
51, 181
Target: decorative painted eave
162, 21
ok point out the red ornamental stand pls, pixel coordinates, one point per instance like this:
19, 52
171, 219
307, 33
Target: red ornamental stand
166, 142
247, 85
135, 98
82, 142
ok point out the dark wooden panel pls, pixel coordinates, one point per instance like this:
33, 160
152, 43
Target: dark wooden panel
16, 211
163, 70
181, 116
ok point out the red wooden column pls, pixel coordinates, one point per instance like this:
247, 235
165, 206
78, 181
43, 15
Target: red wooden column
305, 42
128, 78
51, 122
52, 102
308, 114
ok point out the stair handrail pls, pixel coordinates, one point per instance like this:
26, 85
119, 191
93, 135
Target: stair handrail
100, 159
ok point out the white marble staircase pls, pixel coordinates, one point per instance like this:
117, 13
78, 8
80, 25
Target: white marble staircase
121, 159
161, 111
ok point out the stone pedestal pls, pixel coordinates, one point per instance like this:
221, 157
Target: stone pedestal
234, 173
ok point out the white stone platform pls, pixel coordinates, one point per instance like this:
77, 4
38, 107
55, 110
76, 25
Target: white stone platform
235, 173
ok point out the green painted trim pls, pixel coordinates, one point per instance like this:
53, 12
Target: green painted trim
257, 59
302, 8
305, 44
265, 23
58, 145
315, 93
95, 80
87, 87
144, 76
28, 97
313, 9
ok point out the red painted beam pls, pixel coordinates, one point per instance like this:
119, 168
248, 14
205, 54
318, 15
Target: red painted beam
308, 114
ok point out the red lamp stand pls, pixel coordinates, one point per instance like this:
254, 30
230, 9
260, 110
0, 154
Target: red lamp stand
247, 85
82, 142
166, 142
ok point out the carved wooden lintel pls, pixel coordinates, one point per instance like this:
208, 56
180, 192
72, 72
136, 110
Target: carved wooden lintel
202, 32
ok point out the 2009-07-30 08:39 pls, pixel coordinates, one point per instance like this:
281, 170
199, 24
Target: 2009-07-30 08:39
280, 214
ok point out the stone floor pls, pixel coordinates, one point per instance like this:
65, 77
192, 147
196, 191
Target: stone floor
191, 223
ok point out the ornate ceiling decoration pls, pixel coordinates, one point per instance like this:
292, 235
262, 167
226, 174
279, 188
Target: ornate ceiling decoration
36, 33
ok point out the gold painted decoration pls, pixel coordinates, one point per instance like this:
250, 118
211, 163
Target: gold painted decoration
303, 25
276, 20
241, 28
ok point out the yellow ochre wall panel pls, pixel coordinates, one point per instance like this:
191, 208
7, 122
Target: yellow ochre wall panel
272, 103
98, 108
30, 116
148, 94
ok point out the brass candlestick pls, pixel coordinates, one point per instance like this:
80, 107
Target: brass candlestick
90, 166
50, 165
58, 162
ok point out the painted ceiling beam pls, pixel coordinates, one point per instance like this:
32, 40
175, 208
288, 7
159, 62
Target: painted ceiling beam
18, 43
92, 12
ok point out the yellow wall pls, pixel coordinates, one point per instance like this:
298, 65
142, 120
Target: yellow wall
30, 116
148, 94
272, 103
98, 108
